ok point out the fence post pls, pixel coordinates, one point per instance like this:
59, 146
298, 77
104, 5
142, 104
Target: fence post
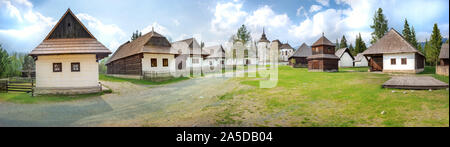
32, 88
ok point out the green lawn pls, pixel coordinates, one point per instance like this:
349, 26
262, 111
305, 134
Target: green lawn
26, 98
103, 77
331, 99
431, 70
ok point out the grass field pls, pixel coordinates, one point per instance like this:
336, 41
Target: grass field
103, 77
26, 98
339, 99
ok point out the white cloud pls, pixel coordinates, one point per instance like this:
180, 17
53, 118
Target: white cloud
299, 11
315, 8
110, 34
176, 22
227, 17
324, 2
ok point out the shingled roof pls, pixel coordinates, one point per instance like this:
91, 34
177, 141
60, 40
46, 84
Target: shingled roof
359, 57
340, 52
75, 40
392, 42
323, 41
286, 46
444, 51
151, 42
192, 44
263, 37
303, 51
215, 51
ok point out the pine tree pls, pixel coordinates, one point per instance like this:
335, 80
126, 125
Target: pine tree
435, 45
360, 45
4, 62
343, 43
428, 52
136, 35
414, 39
380, 26
352, 49
337, 44
242, 35
406, 31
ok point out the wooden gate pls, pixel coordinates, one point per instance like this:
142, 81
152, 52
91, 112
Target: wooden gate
376, 63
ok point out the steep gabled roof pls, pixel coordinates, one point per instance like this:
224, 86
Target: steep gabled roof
392, 42
323, 41
444, 51
151, 42
191, 44
359, 57
286, 46
215, 51
340, 52
303, 51
70, 36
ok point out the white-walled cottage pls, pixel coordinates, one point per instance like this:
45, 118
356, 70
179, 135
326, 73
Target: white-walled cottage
286, 51
216, 58
190, 54
67, 59
392, 53
345, 57
361, 61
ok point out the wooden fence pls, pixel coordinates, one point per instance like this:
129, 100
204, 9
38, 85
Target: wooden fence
17, 85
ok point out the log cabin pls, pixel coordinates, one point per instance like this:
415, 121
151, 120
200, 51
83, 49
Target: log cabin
442, 66
298, 59
67, 59
392, 53
345, 57
323, 58
151, 53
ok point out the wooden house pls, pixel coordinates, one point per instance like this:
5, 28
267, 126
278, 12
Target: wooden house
149, 54
323, 58
286, 51
392, 53
191, 55
298, 59
345, 57
442, 67
216, 58
67, 59
361, 61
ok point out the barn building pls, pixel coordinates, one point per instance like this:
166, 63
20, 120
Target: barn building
151, 53
392, 53
323, 58
67, 59
442, 67
345, 57
298, 59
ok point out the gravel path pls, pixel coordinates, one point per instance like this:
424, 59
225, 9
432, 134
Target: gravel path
128, 102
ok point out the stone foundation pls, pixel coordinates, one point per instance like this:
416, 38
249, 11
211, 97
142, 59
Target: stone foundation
404, 71
67, 91
442, 70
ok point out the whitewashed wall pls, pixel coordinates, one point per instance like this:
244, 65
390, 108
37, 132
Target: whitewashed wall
146, 62
398, 66
263, 53
87, 77
285, 54
346, 60
362, 63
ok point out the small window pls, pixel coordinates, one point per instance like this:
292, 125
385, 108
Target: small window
165, 62
393, 61
195, 61
57, 67
154, 62
404, 61
75, 67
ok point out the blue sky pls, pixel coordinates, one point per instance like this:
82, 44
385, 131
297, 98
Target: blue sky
25, 23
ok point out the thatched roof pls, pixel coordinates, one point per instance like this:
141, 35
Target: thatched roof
191, 44
215, 51
391, 42
340, 52
444, 51
151, 42
323, 41
72, 45
303, 51
286, 46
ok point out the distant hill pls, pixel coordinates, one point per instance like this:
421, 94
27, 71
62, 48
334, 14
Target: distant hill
443, 41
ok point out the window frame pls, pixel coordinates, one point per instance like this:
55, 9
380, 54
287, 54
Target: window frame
75, 63
151, 62
406, 61
60, 67
393, 61
165, 62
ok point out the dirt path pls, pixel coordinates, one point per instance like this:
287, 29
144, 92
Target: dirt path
129, 105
